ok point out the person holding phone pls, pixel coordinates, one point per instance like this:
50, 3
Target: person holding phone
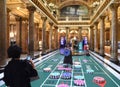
17, 73
29, 59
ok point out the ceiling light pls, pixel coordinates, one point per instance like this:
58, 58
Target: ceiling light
51, 4
18, 8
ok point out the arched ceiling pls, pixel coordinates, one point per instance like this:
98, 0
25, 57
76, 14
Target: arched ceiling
57, 5
73, 2
18, 7
63, 3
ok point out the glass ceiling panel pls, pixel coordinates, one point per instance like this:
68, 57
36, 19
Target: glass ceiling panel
74, 10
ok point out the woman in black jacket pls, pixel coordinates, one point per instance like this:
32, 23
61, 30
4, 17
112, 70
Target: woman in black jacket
17, 73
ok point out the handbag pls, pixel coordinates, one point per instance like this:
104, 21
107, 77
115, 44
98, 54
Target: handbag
34, 78
33, 75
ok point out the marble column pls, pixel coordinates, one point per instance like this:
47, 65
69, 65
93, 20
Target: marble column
17, 28
12, 33
3, 32
67, 34
57, 45
44, 19
8, 28
80, 33
53, 39
102, 35
38, 36
40, 39
96, 37
24, 35
114, 30
91, 38
50, 36
98, 41
36, 41
19, 20
31, 10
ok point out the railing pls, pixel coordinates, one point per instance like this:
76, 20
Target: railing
95, 13
45, 4
98, 11
73, 18
96, 5
85, 18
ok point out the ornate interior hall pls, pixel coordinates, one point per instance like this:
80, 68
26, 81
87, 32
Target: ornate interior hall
39, 26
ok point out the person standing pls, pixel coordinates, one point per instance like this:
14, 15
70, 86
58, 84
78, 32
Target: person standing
68, 55
17, 73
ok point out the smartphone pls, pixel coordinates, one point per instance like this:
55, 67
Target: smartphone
28, 58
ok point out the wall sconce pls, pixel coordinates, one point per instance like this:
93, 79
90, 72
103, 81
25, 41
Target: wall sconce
75, 38
12, 33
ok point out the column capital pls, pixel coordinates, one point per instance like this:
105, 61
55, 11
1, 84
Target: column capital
102, 17
21, 18
31, 8
56, 27
96, 23
66, 27
114, 6
79, 27
25, 19
51, 23
8, 10
91, 27
44, 18
18, 18
37, 25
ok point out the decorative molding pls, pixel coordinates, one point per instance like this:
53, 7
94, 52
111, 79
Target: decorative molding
98, 13
114, 6
75, 2
74, 23
31, 8
100, 10
43, 8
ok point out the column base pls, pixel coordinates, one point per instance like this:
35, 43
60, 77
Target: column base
119, 63
103, 55
114, 61
37, 56
3, 62
91, 49
1, 70
43, 54
96, 52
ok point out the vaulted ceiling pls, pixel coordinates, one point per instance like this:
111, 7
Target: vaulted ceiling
18, 7
13, 4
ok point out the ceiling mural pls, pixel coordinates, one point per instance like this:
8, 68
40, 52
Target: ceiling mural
63, 10
74, 10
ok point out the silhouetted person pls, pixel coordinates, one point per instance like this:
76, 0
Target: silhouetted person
68, 55
17, 73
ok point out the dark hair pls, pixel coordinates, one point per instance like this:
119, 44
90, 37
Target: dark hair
67, 45
14, 51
